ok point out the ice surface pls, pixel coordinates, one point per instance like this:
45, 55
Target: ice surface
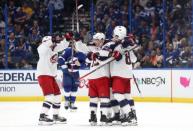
23, 116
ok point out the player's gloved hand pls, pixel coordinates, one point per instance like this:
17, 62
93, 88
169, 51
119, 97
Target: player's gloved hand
68, 36
74, 63
92, 56
117, 55
128, 41
77, 63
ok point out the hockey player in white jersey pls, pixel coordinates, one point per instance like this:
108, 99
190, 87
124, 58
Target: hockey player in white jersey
46, 73
98, 84
121, 73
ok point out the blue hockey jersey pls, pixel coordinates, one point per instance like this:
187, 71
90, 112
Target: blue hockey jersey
68, 58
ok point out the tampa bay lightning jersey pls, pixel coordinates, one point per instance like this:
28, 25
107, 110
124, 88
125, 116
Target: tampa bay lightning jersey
68, 58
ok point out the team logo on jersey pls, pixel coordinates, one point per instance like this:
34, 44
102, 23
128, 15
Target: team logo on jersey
54, 58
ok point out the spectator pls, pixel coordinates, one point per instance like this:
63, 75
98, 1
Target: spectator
34, 38
25, 64
10, 25
155, 60
35, 26
19, 53
2, 48
20, 16
27, 10
85, 35
19, 31
13, 43
12, 8
154, 30
110, 28
10, 63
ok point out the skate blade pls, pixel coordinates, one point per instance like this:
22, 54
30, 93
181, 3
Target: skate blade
73, 110
133, 124
93, 123
59, 122
129, 124
116, 122
43, 123
105, 124
125, 124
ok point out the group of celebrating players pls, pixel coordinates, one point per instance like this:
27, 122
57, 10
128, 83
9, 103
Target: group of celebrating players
109, 85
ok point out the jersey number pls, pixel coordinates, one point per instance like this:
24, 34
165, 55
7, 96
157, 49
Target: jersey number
127, 58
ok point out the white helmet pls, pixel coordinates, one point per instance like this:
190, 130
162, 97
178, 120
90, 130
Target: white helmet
47, 40
99, 36
120, 32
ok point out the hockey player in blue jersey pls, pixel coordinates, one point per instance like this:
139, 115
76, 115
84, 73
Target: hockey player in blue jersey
70, 62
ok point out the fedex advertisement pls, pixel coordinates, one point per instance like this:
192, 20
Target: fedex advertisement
19, 83
24, 83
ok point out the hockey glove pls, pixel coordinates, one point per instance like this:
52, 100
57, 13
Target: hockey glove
128, 42
117, 55
92, 56
69, 36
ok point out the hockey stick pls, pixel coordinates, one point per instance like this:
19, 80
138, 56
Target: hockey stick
103, 64
134, 78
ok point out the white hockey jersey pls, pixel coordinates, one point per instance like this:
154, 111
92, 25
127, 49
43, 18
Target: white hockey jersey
81, 47
123, 67
103, 71
47, 64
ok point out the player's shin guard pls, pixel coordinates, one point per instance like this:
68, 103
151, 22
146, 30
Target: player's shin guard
72, 101
130, 101
67, 100
132, 113
115, 118
122, 102
46, 107
56, 108
104, 106
93, 108
115, 106
124, 105
44, 119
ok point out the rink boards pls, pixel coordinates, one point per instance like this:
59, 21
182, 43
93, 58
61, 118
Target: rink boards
156, 85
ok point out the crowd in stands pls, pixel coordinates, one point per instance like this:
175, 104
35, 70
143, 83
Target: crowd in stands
28, 22
147, 25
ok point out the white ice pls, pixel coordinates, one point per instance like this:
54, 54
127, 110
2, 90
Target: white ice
23, 116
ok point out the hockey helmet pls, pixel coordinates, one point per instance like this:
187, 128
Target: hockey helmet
120, 32
47, 40
99, 36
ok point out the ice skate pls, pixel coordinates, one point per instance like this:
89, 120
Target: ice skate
44, 120
125, 120
133, 117
59, 120
105, 121
93, 119
73, 107
116, 119
66, 105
